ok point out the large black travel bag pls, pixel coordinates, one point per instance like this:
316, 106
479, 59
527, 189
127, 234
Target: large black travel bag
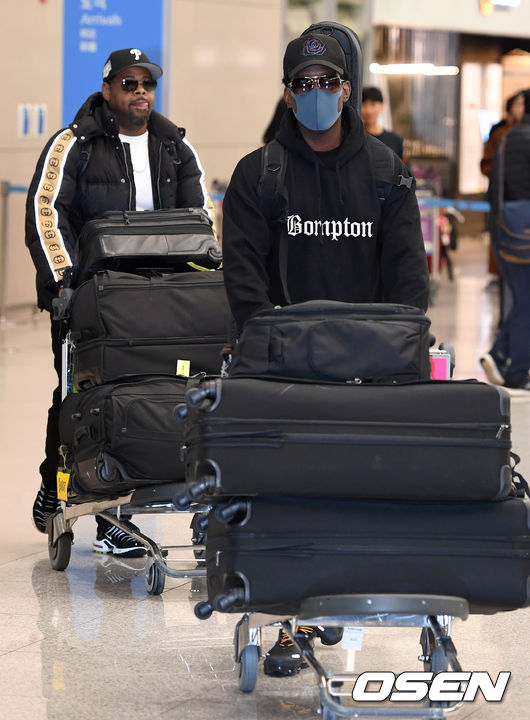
433, 441
335, 341
124, 325
123, 435
167, 239
278, 551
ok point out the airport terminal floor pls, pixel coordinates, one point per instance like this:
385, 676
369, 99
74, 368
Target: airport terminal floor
91, 643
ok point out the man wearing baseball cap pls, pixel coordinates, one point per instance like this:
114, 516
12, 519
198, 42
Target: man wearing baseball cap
326, 232
117, 154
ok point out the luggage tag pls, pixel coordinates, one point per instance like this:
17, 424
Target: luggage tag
63, 478
352, 638
183, 368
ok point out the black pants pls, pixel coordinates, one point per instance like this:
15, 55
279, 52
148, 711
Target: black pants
49, 466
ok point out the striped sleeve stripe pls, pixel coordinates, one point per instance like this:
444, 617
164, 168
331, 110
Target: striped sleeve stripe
207, 204
46, 216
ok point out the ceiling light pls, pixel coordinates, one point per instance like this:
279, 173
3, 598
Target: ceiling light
413, 69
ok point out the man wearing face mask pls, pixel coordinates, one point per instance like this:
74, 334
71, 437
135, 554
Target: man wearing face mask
343, 242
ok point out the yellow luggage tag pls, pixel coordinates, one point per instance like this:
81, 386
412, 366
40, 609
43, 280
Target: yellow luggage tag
63, 478
183, 368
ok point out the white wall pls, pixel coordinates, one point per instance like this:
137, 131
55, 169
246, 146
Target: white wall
452, 15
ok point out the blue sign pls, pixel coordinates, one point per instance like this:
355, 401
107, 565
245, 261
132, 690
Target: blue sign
92, 30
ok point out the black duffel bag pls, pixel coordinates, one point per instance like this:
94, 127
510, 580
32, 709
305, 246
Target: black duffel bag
121, 436
336, 342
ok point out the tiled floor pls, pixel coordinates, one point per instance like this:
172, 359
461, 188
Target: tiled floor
90, 643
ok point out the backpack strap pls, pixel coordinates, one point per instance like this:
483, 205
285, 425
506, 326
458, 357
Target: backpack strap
271, 188
274, 200
383, 162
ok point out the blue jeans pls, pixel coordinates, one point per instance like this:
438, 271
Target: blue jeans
513, 339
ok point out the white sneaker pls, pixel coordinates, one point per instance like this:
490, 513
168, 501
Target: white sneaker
491, 370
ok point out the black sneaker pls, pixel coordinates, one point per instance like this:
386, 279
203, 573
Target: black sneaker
113, 540
518, 383
329, 635
284, 658
46, 504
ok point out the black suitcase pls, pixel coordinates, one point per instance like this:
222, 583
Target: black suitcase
123, 324
335, 341
278, 551
167, 239
121, 436
433, 441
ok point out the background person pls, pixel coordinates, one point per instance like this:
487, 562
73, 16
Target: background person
329, 176
508, 361
117, 154
371, 109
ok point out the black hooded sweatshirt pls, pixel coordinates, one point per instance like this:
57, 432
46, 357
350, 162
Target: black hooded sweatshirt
85, 170
343, 242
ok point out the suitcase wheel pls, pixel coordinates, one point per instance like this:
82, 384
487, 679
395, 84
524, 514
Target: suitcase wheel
181, 412
181, 501
197, 489
225, 603
203, 610
231, 510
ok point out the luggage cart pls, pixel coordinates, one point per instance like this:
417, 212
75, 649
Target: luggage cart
433, 614
152, 499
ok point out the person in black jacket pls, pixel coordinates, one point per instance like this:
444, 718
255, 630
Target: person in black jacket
117, 154
343, 243
508, 361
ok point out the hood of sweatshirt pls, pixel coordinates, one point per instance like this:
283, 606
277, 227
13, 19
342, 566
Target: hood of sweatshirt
353, 141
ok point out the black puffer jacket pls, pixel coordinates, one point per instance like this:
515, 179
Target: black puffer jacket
516, 164
85, 170
342, 243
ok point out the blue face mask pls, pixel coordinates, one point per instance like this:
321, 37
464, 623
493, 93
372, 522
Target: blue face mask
317, 109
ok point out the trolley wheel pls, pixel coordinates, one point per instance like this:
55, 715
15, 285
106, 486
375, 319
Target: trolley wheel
248, 668
59, 551
155, 580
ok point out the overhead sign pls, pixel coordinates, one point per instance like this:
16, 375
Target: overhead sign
92, 30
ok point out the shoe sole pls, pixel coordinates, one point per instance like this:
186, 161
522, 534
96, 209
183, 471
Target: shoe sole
491, 370
276, 671
105, 549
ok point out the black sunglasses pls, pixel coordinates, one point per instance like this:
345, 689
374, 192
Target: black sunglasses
301, 85
130, 84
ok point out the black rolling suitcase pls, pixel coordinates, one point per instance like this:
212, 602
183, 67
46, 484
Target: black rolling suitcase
278, 551
335, 341
126, 325
434, 441
167, 239
123, 435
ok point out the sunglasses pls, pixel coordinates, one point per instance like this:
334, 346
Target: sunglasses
130, 84
301, 85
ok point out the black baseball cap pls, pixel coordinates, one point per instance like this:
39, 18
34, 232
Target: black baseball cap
129, 57
313, 49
